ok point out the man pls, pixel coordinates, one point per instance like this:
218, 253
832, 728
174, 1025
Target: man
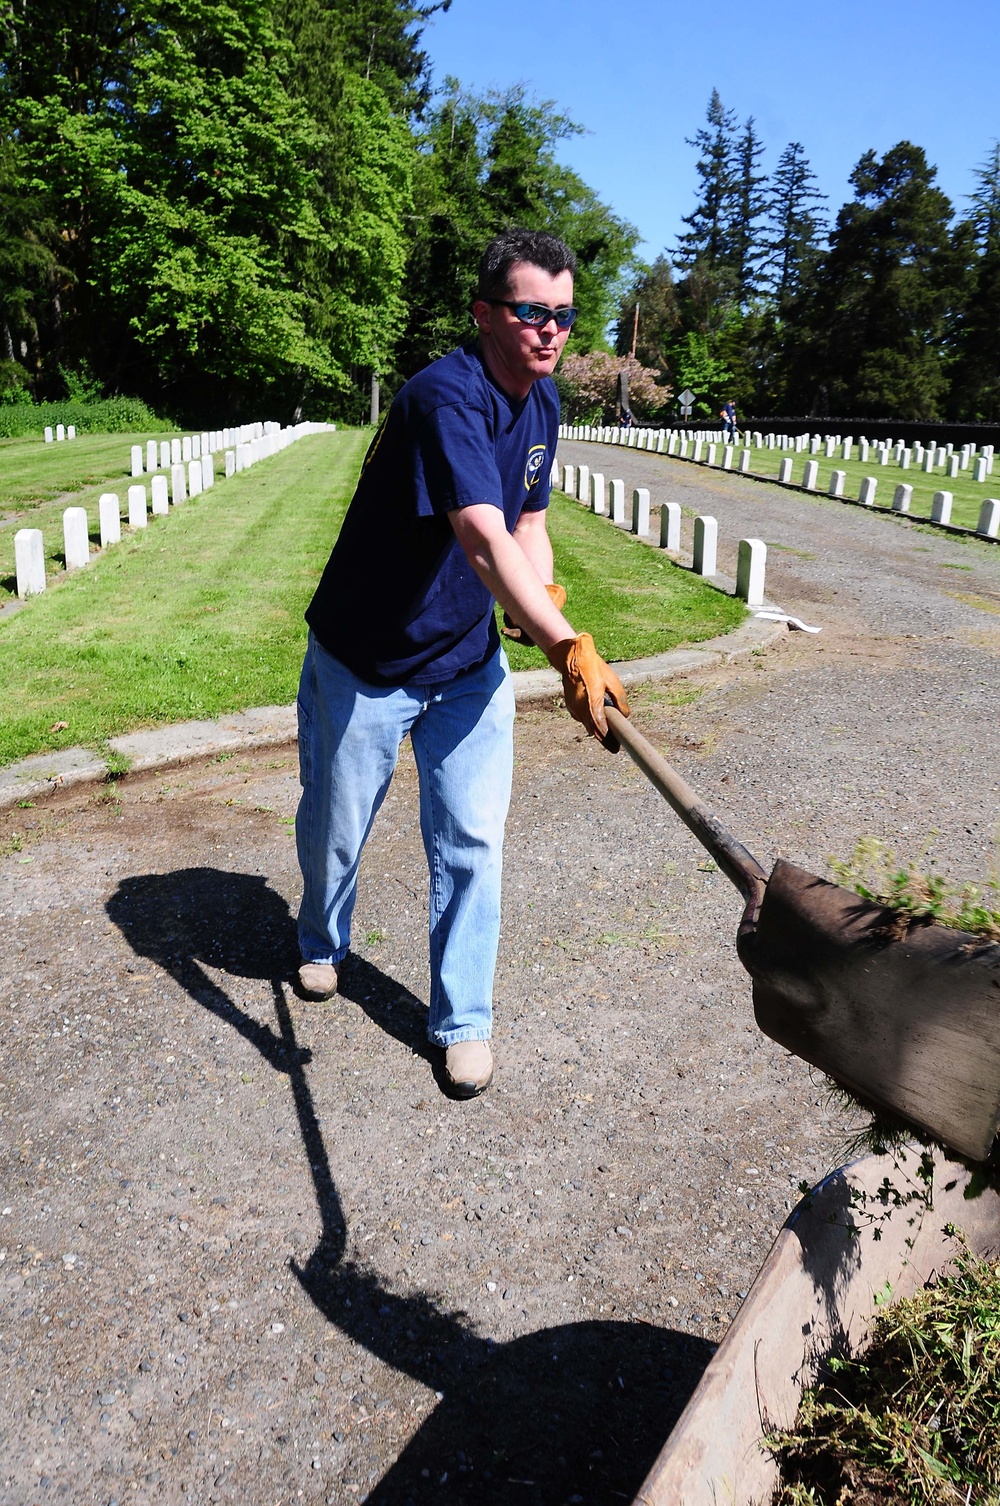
449, 514
728, 416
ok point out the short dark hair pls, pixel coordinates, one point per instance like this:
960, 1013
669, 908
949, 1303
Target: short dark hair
536, 247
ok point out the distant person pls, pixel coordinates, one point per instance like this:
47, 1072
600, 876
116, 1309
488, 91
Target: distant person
728, 416
449, 516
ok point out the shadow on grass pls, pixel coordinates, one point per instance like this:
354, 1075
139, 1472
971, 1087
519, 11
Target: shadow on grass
573, 1412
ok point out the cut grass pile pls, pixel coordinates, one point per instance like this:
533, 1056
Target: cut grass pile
916, 1416
968, 495
201, 613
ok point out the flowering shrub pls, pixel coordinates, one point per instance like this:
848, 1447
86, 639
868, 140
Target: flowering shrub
591, 382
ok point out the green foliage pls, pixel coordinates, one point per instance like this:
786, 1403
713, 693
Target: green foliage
874, 872
113, 415
915, 1417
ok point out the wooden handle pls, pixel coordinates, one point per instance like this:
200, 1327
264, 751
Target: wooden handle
739, 865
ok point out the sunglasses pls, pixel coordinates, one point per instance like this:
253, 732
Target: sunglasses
537, 314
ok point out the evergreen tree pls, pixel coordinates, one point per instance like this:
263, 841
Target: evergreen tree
874, 320
656, 329
976, 381
750, 202
708, 237
796, 225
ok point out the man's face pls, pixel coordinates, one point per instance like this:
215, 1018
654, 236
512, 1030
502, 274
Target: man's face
522, 353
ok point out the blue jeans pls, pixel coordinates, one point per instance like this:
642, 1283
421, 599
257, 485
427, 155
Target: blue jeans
462, 737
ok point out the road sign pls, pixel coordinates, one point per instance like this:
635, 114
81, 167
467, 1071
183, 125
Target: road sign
686, 398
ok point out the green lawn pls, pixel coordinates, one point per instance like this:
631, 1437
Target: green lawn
968, 495
200, 613
33, 472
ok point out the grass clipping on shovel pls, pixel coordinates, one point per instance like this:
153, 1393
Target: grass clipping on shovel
916, 1416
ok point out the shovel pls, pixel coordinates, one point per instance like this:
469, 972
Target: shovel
906, 1016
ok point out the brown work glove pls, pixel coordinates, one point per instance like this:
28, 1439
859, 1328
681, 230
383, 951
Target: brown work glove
520, 634
586, 681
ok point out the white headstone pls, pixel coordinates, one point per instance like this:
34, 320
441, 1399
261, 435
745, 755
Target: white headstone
902, 497
699, 445
152, 455
814, 444
809, 474
862, 450
161, 495
137, 460
175, 452
598, 495
49, 436
954, 466
640, 511
109, 509
837, 482
60, 431
617, 501
178, 485
884, 454
845, 453
207, 470
29, 561
569, 480
672, 444
989, 518
76, 544
829, 447
750, 566
670, 526
137, 507
979, 469
711, 453
727, 458
941, 507
165, 460
185, 448
684, 448
706, 545
661, 442
194, 478
71, 431
745, 462
582, 492
230, 463
904, 460
866, 496
195, 446
785, 469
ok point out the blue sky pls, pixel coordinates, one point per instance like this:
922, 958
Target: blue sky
841, 78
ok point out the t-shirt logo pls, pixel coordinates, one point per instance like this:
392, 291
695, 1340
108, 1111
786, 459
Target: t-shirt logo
536, 455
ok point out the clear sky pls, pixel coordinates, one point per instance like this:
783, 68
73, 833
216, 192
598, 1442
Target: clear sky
841, 78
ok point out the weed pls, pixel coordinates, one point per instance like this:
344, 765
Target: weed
376, 936
13, 843
26, 805
916, 1416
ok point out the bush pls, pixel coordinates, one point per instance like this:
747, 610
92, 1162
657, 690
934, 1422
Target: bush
112, 415
592, 379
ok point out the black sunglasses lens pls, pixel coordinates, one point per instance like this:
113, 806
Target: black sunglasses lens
565, 317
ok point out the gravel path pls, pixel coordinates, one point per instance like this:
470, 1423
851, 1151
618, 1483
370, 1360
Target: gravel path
249, 1252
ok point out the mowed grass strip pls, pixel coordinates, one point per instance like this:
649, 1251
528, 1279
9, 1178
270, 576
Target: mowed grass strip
968, 495
201, 613
33, 472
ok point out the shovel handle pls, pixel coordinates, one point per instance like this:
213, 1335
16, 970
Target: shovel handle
739, 865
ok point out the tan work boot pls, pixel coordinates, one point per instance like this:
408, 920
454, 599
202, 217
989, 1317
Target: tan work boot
318, 980
469, 1068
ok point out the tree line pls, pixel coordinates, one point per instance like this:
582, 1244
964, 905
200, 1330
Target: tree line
230, 205
234, 206
891, 311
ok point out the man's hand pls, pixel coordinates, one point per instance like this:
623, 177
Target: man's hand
586, 681
511, 629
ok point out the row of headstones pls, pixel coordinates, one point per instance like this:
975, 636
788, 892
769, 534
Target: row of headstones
61, 432
186, 480
609, 501
941, 505
679, 441
670, 442
182, 449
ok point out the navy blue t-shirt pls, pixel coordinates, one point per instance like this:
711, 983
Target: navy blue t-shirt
398, 602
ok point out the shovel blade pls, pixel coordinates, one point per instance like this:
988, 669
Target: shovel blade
910, 1025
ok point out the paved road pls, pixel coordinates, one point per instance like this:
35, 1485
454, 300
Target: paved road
248, 1250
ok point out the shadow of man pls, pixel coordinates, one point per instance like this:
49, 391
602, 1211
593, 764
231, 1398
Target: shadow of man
578, 1411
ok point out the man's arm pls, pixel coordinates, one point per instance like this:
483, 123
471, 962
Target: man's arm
515, 568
